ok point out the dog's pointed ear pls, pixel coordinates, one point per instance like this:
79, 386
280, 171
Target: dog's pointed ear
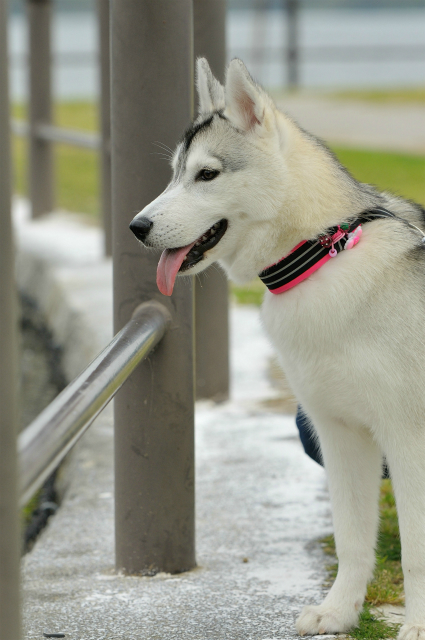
210, 91
246, 103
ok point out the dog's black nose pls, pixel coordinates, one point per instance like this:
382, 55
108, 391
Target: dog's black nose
141, 227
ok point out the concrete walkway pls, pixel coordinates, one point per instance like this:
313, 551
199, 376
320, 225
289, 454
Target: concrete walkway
261, 503
368, 125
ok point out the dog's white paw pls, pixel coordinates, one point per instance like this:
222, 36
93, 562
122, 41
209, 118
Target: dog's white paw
412, 632
315, 620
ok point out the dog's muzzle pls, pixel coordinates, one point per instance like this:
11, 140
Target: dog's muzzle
141, 227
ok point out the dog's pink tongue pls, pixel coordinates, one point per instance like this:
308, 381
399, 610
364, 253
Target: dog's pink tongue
168, 266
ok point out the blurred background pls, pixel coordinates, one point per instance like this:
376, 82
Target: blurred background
330, 63
334, 44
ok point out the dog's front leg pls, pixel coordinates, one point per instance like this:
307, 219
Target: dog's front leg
353, 463
406, 457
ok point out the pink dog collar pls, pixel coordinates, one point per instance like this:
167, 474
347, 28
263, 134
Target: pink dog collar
309, 255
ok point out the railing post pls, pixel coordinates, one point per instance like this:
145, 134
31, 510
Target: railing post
40, 107
151, 99
105, 121
9, 523
211, 287
292, 7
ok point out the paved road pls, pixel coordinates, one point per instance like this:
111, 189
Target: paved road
395, 127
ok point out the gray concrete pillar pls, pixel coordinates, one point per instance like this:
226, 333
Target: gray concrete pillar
105, 121
41, 189
152, 97
292, 54
211, 287
9, 523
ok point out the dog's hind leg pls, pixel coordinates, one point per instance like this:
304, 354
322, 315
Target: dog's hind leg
353, 462
407, 469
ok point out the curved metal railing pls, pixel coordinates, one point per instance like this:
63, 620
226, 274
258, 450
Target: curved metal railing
47, 440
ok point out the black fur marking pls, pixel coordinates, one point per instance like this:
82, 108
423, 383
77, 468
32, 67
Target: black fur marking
422, 211
417, 255
194, 130
230, 164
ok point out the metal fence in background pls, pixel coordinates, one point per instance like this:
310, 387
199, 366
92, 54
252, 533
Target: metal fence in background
329, 44
40, 129
296, 43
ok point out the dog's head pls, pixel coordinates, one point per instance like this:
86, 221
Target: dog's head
228, 180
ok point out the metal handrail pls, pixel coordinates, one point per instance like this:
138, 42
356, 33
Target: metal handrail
47, 440
68, 136
51, 133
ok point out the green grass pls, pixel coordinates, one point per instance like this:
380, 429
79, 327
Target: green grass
386, 96
77, 115
399, 173
27, 511
251, 293
387, 584
77, 173
371, 628
76, 170
409, 95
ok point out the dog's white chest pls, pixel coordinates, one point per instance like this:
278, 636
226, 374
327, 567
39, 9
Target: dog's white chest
307, 330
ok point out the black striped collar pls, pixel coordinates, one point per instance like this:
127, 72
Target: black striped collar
310, 255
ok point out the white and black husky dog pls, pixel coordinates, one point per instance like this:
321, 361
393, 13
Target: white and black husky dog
254, 192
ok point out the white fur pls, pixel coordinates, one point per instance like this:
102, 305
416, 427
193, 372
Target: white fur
210, 91
350, 338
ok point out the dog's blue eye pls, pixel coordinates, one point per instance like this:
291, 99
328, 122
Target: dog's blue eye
207, 174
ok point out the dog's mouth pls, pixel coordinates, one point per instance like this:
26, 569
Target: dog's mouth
183, 258
207, 241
